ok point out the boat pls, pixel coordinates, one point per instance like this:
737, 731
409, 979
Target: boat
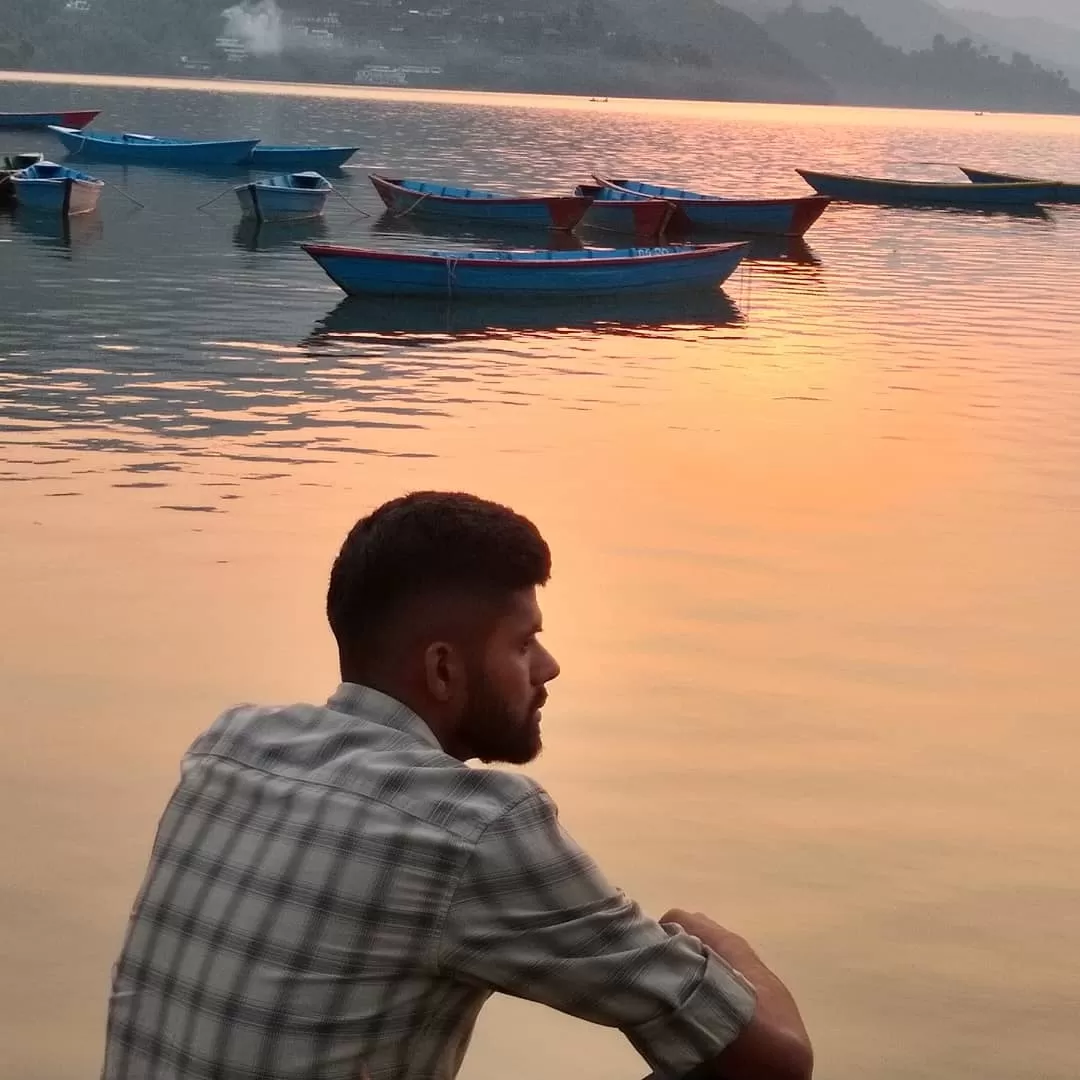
56, 189
285, 198
788, 216
73, 118
639, 217
10, 165
1066, 191
422, 198
866, 189
530, 273
133, 149
300, 157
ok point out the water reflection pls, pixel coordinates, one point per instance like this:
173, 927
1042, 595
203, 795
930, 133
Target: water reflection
421, 232
252, 235
356, 319
58, 231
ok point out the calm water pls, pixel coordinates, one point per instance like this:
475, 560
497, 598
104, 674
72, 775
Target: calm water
816, 550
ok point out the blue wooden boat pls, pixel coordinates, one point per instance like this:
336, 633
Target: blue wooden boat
73, 118
866, 189
300, 157
638, 217
694, 211
285, 198
133, 149
56, 189
423, 198
1065, 192
10, 165
516, 274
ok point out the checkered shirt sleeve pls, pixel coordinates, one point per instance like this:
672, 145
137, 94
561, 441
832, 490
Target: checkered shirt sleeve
532, 916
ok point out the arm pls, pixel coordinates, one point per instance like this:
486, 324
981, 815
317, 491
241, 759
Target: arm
532, 916
774, 1045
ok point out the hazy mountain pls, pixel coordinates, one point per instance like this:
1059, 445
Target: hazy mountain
1047, 41
1065, 12
863, 69
906, 24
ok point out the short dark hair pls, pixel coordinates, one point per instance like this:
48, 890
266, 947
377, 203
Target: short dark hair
426, 542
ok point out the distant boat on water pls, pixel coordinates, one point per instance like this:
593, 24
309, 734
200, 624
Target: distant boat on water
1066, 191
694, 211
134, 149
300, 157
424, 198
866, 189
72, 118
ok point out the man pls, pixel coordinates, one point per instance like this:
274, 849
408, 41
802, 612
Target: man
333, 893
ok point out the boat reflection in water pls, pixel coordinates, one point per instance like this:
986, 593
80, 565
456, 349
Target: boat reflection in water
57, 230
252, 235
358, 318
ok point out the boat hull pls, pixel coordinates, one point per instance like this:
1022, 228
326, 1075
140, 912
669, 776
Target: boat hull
138, 150
864, 189
75, 118
300, 157
264, 203
532, 211
66, 196
634, 217
1065, 192
360, 271
698, 213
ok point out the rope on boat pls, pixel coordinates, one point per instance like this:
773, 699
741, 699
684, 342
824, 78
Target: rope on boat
411, 208
130, 198
362, 213
220, 194
451, 271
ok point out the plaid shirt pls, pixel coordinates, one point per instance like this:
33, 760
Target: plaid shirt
330, 893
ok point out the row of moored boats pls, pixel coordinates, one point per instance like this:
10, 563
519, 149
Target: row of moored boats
651, 213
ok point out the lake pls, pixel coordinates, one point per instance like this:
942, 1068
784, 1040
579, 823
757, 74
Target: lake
816, 546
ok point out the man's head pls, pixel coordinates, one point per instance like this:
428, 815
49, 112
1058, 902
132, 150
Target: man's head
432, 600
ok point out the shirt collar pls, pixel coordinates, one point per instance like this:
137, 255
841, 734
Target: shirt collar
378, 708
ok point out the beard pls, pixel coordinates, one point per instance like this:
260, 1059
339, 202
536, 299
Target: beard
494, 730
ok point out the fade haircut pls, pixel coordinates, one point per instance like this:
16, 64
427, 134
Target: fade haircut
425, 543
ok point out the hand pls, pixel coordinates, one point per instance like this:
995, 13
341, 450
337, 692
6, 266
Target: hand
725, 943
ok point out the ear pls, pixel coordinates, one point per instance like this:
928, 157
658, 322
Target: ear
444, 672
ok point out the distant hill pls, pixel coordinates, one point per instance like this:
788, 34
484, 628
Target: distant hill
1063, 12
735, 43
1046, 41
863, 69
907, 24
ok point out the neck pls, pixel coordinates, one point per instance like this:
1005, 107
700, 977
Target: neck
410, 697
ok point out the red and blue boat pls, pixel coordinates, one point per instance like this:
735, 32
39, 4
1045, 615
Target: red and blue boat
637, 217
885, 192
1065, 191
526, 274
424, 198
73, 118
694, 211
134, 149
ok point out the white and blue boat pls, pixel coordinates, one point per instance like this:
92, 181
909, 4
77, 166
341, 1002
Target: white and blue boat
300, 157
285, 198
56, 189
134, 149
885, 192
526, 274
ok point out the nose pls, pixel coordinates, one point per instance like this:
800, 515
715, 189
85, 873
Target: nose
549, 667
